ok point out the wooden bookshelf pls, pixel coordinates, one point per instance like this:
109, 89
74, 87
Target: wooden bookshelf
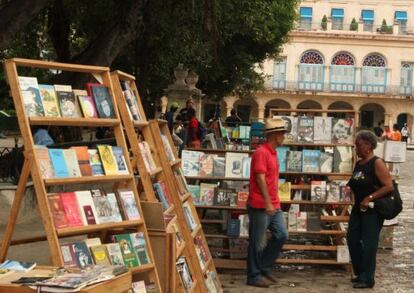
31, 167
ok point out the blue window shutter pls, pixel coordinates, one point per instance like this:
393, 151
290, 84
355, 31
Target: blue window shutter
306, 12
401, 15
368, 15
337, 13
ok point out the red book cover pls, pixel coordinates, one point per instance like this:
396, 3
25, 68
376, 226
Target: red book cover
58, 211
83, 160
70, 204
242, 199
90, 218
68, 254
167, 194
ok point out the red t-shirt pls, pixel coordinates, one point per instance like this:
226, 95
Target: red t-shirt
193, 128
264, 161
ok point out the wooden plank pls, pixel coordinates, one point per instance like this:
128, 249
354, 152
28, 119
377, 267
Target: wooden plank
185, 196
287, 247
196, 230
241, 264
300, 187
121, 283
207, 265
79, 122
124, 76
180, 249
175, 162
218, 151
335, 218
139, 124
169, 210
142, 269
72, 231
59, 66
155, 171
87, 179
322, 232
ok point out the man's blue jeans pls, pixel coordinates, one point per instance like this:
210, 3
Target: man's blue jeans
261, 255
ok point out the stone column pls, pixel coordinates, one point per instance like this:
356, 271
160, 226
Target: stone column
388, 119
261, 114
229, 101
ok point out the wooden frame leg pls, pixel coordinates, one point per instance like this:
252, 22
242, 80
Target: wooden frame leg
14, 211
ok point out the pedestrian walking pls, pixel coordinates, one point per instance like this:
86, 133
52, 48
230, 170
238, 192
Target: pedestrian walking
396, 134
193, 130
370, 180
169, 116
387, 134
378, 130
405, 133
263, 206
233, 120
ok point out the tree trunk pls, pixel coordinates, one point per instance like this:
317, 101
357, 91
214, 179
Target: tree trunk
59, 29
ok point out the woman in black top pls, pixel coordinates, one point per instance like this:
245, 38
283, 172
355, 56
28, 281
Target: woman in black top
370, 180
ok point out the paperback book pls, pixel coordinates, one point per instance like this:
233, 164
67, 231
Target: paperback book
108, 160
72, 163
138, 242
206, 165
32, 101
326, 162
342, 130
120, 160
305, 129
342, 159
70, 205
44, 162
219, 164
191, 162
282, 157
234, 163
58, 211
59, 163
294, 161
88, 212
95, 163
127, 250
102, 206
49, 100
103, 100
128, 205
323, 129
87, 106
115, 254
310, 161
207, 194
67, 101
318, 191
82, 156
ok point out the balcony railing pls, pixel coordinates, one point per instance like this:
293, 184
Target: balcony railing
311, 77
373, 80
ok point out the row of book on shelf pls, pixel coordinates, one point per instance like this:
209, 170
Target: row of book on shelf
80, 161
44, 100
91, 207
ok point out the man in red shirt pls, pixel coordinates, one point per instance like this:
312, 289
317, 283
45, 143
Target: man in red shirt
263, 206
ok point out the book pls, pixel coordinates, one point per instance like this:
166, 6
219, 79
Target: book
72, 163
191, 162
49, 100
242, 197
346, 194
326, 162
132, 108
244, 225
342, 253
58, 211
102, 98
318, 191
120, 160
305, 130
294, 161
233, 227
82, 156
219, 165
87, 209
114, 211
286, 220
234, 163
115, 254
206, 165
44, 162
78, 107
207, 193
343, 130
87, 106
82, 255
18, 266
95, 163
108, 160
333, 191
159, 192
67, 101
282, 157
102, 206
246, 167
291, 124
294, 211
314, 221
138, 242
167, 147
100, 255
139, 287
195, 191
127, 250
322, 129
342, 159
69, 258
191, 223
284, 191
184, 273
92, 242
32, 101
310, 160
233, 195
59, 163
128, 204
70, 205
221, 197
395, 151
147, 156
302, 222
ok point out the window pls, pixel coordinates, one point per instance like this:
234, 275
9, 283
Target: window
306, 18
337, 15
342, 73
311, 71
401, 18
373, 74
368, 19
279, 74
406, 79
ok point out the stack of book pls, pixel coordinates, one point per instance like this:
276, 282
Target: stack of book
130, 97
185, 274
163, 195
202, 251
211, 195
189, 217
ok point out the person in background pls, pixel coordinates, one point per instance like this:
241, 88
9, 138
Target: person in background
378, 130
396, 134
233, 120
405, 133
169, 116
263, 206
387, 134
41, 136
370, 180
193, 130
184, 111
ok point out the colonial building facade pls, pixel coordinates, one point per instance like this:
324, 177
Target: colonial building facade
342, 55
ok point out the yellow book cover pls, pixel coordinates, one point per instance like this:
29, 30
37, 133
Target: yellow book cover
108, 159
100, 255
284, 191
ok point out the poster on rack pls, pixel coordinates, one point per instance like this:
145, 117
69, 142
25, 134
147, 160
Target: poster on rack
395, 151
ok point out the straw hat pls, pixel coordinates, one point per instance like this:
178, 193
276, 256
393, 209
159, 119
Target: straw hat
275, 125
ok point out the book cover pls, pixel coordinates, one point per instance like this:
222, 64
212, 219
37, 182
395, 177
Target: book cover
120, 160
70, 205
333, 191
310, 160
342, 159
87, 106
233, 227
82, 156
284, 191
102, 206
59, 163
326, 162
102, 98
294, 161
234, 164
147, 156
294, 211
346, 194
195, 191
191, 162
233, 195
67, 101
32, 101
394, 151
302, 222
221, 198
82, 254
219, 165
139, 287
127, 250
72, 163
115, 254
167, 147
242, 197
133, 110
323, 129
318, 191
44, 162
100, 255
292, 135
282, 157
49, 100
305, 129
69, 258
128, 205
184, 273
161, 196
95, 163
314, 221
166, 192
108, 160
182, 189
58, 211
246, 167
114, 207
207, 194
189, 216
138, 242
87, 209
343, 130
92, 242
244, 225
78, 93
206, 164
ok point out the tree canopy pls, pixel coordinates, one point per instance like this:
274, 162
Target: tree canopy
222, 40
